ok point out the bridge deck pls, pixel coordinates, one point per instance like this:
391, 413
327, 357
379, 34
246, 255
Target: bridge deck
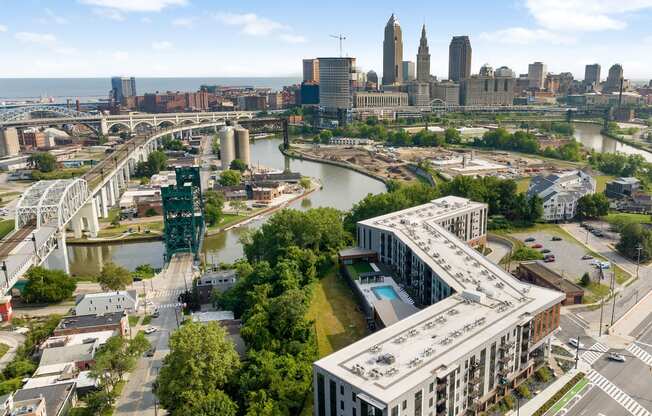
9, 243
180, 266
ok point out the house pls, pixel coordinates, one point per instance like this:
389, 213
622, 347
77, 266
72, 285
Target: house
107, 302
76, 339
80, 324
49, 375
537, 273
622, 187
29, 407
218, 280
59, 398
560, 193
83, 355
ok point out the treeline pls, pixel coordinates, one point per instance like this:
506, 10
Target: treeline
521, 141
618, 164
284, 258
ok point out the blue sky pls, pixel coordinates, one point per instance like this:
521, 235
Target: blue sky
70, 38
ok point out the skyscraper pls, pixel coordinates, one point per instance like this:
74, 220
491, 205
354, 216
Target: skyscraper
311, 70
423, 58
592, 74
459, 58
613, 79
336, 83
536, 73
123, 87
393, 52
409, 72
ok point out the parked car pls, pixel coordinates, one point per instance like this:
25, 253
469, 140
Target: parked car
549, 259
537, 245
156, 314
545, 250
616, 357
150, 330
604, 266
587, 257
150, 352
555, 238
530, 239
575, 343
597, 233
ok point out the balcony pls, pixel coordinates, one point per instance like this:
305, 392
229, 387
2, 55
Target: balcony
505, 358
474, 381
506, 346
441, 387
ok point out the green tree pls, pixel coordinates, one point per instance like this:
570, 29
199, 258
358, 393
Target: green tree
238, 206
157, 161
47, 286
632, 237
239, 165
452, 136
201, 360
305, 182
114, 277
230, 178
215, 403
260, 404
43, 161
585, 280
325, 136
213, 206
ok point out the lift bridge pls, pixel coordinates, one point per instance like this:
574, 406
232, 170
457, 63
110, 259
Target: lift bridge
183, 213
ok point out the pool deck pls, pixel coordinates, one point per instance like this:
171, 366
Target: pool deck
370, 297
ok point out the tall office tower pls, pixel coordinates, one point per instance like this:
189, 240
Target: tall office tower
459, 58
123, 87
393, 52
311, 70
423, 58
613, 79
336, 83
536, 73
592, 74
409, 71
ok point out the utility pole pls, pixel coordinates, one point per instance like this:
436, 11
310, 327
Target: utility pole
613, 293
341, 38
638, 258
577, 352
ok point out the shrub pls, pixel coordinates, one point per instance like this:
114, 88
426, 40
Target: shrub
543, 374
555, 398
524, 391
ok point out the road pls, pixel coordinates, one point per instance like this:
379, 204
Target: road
137, 398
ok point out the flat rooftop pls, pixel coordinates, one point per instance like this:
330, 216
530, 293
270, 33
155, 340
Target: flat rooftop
487, 302
553, 278
84, 321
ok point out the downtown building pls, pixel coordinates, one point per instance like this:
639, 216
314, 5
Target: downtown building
459, 58
487, 89
393, 52
484, 333
336, 83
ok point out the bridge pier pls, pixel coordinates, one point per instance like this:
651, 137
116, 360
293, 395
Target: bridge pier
104, 200
61, 244
104, 127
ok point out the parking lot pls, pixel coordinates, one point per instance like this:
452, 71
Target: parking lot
568, 255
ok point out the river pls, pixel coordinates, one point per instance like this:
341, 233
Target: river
591, 138
341, 189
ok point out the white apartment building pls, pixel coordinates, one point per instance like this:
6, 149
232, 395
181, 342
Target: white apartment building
560, 193
483, 335
107, 302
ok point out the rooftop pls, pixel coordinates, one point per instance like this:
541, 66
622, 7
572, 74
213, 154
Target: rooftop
550, 276
74, 353
430, 342
55, 396
103, 295
84, 321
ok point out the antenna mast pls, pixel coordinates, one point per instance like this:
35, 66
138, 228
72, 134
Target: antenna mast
341, 38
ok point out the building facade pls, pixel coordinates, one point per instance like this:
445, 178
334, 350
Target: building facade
560, 193
9, 144
335, 83
380, 99
613, 79
107, 302
393, 52
409, 71
536, 73
459, 58
622, 188
487, 89
483, 335
592, 75
423, 58
446, 91
123, 87
418, 93
311, 70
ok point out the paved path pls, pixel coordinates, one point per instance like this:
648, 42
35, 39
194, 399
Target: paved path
13, 340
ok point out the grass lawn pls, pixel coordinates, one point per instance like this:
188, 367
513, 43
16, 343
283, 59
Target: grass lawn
522, 184
3, 349
6, 226
601, 182
226, 220
356, 269
626, 218
112, 231
133, 320
147, 320
113, 213
595, 291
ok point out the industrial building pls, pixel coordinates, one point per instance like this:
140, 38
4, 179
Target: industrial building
484, 334
234, 144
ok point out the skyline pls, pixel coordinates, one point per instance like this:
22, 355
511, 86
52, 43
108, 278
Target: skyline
170, 38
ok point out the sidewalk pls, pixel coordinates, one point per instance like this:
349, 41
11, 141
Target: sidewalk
624, 326
541, 398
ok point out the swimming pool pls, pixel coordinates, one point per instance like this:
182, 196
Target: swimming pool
385, 292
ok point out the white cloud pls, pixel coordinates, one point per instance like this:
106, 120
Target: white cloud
289, 38
524, 36
250, 23
54, 18
145, 20
110, 14
135, 5
162, 45
120, 56
36, 38
186, 22
66, 50
3, 28
584, 15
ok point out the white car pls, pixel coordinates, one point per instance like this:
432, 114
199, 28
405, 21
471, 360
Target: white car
574, 343
150, 330
616, 357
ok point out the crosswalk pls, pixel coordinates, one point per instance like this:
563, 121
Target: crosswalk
592, 356
162, 293
622, 398
170, 306
640, 353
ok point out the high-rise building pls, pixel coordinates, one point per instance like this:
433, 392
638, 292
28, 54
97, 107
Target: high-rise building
336, 83
487, 89
311, 70
409, 71
446, 91
536, 73
122, 87
459, 58
393, 52
592, 74
9, 144
613, 79
372, 80
423, 58
418, 93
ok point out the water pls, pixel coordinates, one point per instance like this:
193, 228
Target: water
87, 89
589, 135
385, 292
341, 189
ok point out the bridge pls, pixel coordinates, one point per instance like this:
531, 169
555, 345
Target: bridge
103, 124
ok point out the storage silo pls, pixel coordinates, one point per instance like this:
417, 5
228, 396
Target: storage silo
242, 149
227, 146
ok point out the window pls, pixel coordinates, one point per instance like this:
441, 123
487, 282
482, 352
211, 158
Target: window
430, 388
321, 403
417, 403
341, 404
353, 398
395, 411
404, 405
333, 397
341, 389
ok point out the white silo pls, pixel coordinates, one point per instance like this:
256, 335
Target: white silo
242, 149
227, 146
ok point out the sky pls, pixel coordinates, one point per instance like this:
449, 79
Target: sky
202, 38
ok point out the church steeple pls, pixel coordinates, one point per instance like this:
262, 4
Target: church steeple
423, 58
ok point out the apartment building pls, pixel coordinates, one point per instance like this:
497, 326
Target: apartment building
561, 192
484, 333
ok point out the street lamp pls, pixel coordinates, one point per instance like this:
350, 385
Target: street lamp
639, 247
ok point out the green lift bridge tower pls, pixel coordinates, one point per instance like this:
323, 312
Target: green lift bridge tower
183, 213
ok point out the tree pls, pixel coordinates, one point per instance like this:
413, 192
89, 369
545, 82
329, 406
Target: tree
632, 237
47, 286
230, 178
215, 403
452, 136
157, 161
592, 206
143, 271
201, 360
325, 136
305, 182
238, 206
585, 280
43, 161
237, 164
213, 205
114, 277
